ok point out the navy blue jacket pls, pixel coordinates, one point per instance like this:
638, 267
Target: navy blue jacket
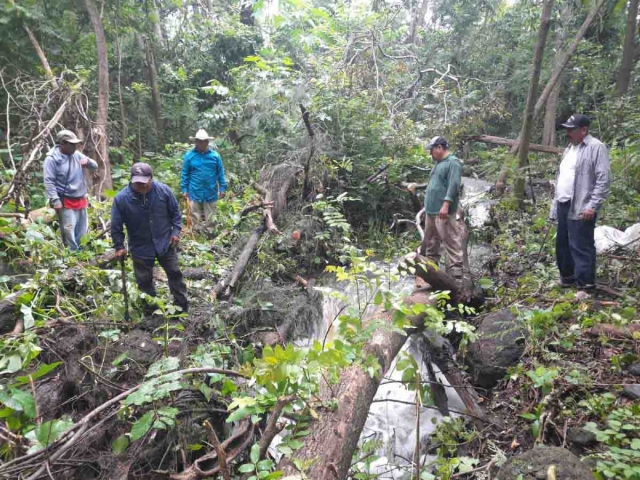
151, 220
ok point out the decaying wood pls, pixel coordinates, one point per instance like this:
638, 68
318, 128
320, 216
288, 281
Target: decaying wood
510, 143
306, 187
334, 435
274, 186
626, 331
208, 465
434, 276
38, 143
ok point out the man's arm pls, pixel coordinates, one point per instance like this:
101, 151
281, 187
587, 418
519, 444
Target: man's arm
222, 179
88, 162
184, 177
175, 214
455, 178
49, 174
117, 226
602, 172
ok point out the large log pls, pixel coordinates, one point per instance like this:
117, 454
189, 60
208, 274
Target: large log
274, 185
510, 143
334, 435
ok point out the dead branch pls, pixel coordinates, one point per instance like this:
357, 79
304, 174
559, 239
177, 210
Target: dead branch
272, 424
510, 143
222, 457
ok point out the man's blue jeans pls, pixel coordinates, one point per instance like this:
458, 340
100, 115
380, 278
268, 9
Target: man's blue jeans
575, 249
73, 226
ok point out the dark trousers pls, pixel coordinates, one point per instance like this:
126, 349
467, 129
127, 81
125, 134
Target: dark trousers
143, 270
575, 249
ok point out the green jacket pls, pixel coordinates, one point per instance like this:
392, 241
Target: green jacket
444, 184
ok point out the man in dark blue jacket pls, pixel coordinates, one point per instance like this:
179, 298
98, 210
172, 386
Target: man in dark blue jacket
151, 213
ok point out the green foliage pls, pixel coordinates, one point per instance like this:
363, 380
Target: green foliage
621, 458
45, 434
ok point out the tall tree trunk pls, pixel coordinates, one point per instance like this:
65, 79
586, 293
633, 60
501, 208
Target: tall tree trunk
100, 125
563, 60
418, 20
549, 129
155, 90
157, 24
124, 128
628, 50
41, 56
527, 120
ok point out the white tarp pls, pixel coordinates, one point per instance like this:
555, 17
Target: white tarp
608, 237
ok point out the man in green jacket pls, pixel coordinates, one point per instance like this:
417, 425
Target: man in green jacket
441, 205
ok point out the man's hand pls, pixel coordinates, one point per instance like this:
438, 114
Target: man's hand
444, 211
222, 194
174, 240
83, 161
121, 253
185, 195
587, 215
57, 207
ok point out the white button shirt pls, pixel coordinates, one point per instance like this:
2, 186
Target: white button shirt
567, 176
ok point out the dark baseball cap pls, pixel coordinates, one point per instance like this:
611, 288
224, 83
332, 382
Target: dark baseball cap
435, 141
577, 120
141, 173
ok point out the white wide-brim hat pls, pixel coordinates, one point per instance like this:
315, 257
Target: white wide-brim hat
201, 135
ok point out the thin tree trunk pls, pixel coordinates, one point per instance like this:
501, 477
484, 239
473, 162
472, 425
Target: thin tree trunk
549, 128
628, 50
124, 128
418, 20
43, 58
152, 73
527, 120
36, 46
562, 64
157, 26
100, 125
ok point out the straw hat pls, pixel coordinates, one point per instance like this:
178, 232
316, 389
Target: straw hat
201, 135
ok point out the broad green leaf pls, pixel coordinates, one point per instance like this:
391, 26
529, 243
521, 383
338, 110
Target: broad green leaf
246, 468
120, 444
44, 435
142, 426
255, 453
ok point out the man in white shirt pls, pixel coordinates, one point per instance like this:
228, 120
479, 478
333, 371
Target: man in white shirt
582, 186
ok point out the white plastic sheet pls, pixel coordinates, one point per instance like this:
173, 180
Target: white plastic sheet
608, 237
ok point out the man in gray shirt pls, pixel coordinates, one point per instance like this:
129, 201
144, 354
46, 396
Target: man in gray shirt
65, 187
582, 186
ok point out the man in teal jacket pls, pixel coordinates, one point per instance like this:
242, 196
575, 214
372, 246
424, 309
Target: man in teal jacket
203, 180
440, 205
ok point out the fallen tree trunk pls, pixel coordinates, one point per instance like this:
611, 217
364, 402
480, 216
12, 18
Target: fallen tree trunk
274, 185
335, 434
510, 143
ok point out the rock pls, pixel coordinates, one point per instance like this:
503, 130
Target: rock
580, 437
139, 347
499, 347
42, 215
534, 464
634, 369
632, 392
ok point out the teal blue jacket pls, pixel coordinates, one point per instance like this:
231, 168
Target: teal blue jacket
444, 184
202, 176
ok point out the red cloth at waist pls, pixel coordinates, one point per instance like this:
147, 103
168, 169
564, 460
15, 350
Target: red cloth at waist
75, 203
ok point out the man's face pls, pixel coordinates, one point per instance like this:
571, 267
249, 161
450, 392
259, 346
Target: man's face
576, 135
202, 145
142, 188
67, 148
437, 153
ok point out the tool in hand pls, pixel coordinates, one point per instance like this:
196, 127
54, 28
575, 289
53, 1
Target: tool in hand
125, 292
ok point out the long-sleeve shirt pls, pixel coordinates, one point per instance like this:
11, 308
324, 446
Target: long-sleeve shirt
592, 178
151, 220
202, 176
444, 185
64, 176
